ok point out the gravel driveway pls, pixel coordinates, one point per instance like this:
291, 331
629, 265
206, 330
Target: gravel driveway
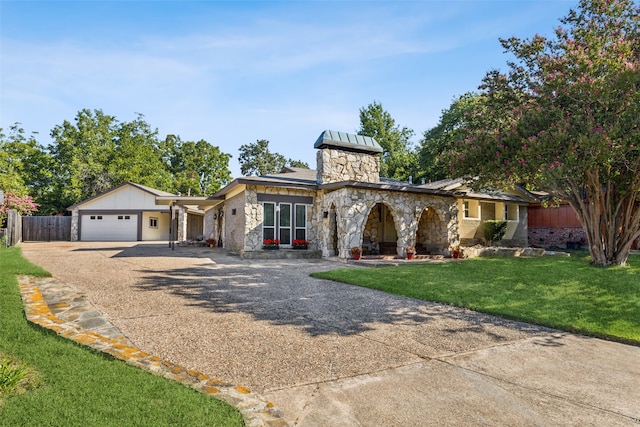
333, 354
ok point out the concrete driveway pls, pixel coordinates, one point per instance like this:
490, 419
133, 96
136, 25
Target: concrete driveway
330, 354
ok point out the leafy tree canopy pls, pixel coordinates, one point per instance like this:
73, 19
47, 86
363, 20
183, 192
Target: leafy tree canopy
26, 168
441, 138
565, 119
399, 158
23, 204
256, 159
97, 152
198, 168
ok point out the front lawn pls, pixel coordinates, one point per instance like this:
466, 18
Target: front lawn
563, 293
71, 385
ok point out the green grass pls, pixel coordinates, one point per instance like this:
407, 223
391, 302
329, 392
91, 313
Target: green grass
563, 293
79, 386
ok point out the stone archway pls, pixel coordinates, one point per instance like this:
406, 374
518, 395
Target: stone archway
431, 236
380, 227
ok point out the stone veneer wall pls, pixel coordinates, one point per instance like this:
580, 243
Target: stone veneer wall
353, 206
253, 215
337, 165
182, 224
209, 226
75, 224
556, 236
431, 236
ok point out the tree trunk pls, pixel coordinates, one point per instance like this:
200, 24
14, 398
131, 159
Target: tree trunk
611, 220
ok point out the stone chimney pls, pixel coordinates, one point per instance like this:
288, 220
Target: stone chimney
347, 157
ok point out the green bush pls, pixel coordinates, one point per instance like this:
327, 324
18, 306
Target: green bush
494, 230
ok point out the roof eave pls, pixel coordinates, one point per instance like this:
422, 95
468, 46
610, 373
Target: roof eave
384, 186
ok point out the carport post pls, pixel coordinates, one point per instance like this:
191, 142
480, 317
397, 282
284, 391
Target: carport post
171, 231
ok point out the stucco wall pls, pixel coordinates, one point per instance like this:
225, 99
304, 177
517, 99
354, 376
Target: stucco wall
234, 224
161, 232
471, 232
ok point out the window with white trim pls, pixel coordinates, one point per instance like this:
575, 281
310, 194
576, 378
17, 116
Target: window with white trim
470, 209
511, 212
287, 221
269, 220
301, 222
153, 222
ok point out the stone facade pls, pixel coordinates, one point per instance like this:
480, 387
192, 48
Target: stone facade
432, 236
348, 206
352, 207
182, 224
337, 165
75, 225
253, 238
547, 237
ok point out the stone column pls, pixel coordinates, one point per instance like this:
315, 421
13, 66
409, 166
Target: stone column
182, 224
75, 222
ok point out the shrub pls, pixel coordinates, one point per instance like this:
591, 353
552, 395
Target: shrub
494, 230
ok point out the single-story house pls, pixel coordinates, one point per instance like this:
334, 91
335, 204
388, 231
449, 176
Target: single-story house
345, 203
134, 212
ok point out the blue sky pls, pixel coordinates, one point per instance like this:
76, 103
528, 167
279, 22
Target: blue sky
232, 72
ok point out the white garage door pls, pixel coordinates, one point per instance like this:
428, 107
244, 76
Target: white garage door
109, 227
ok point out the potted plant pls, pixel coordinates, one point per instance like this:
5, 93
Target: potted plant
456, 252
211, 242
411, 252
355, 253
300, 244
271, 244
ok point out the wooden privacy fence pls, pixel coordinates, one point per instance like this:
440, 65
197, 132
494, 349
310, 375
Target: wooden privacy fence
46, 228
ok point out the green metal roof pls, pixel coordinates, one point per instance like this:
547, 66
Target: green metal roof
347, 141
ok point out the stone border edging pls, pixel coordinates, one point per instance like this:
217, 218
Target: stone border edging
256, 411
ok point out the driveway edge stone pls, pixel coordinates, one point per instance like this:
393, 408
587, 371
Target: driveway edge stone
256, 411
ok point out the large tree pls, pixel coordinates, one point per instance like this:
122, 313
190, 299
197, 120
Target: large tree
26, 168
198, 168
257, 159
565, 119
399, 159
97, 153
442, 137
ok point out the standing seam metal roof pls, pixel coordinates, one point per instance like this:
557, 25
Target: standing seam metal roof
335, 139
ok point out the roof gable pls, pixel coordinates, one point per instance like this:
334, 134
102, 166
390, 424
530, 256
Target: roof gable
127, 195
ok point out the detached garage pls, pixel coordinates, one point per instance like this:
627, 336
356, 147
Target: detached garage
125, 213
109, 227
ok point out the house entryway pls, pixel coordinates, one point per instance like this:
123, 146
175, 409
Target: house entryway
380, 235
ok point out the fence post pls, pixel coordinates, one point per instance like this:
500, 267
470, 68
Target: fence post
14, 227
